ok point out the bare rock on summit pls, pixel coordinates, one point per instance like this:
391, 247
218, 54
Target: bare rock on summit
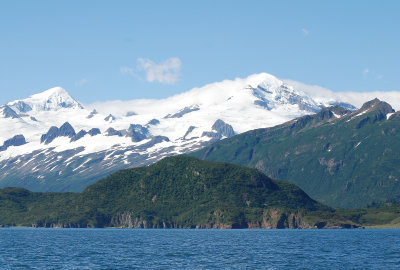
82, 133
17, 140
79, 135
94, 132
66, 130
153, 122
110, 117
223, 128
113, 132
137, 132
220, 129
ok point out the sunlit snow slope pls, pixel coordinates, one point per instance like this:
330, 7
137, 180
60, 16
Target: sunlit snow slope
53, 143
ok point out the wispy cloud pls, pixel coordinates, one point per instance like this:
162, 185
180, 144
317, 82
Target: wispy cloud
167, 72
324, 95
305, 31
127, 70
320, 94
82, 81
371, 74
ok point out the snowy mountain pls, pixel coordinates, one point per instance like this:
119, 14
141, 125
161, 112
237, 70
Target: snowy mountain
52, 142
51, 100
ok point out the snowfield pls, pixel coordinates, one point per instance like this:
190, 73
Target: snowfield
133, 133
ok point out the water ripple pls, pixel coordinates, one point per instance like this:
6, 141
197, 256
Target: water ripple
27, 248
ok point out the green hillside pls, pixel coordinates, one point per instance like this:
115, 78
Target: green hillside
175, 192
338, 157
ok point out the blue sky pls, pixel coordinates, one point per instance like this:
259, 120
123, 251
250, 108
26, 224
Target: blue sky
107, 50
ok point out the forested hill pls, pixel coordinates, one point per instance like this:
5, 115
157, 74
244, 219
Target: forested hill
175, 192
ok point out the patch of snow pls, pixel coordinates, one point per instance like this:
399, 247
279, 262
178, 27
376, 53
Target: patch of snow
82, 165
361, 113
355, 116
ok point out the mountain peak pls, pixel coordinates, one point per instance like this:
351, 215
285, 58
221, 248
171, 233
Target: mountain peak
263, 78
272, 93
50, 100
377, 105
58, 90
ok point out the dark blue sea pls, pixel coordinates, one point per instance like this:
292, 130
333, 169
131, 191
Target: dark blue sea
28, 248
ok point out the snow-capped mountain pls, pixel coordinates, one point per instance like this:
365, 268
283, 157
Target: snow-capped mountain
52, 142
50, 100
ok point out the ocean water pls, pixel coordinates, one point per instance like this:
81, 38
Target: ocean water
28, 248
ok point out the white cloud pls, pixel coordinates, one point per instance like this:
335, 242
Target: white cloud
82, 81
324, 95
366, 71
305, 31
165, 72
320, 94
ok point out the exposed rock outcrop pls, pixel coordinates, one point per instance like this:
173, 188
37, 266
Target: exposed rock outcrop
92, 113
79, 135
153, 122
190, 129
66, 130
112, 132
271, 219
220, 129
137, 132
17, 140
21, 106
9, 113
94, 131
110, 117
82, 133
184, 111
223, 128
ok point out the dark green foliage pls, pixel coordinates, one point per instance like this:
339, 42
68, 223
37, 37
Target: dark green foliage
21, 207
178, 191
187, 191
349, 161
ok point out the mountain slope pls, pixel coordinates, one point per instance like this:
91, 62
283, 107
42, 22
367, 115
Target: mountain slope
339, 157
173, 193
68, 146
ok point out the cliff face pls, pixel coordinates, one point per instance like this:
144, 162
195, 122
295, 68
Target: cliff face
271, 219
